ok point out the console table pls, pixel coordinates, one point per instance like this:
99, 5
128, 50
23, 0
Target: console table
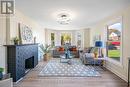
21, 58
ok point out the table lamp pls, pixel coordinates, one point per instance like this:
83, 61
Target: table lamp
99, 45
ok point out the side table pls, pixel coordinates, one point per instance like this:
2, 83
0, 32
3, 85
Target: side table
103, 59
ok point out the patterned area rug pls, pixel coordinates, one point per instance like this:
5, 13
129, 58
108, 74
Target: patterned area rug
76, 69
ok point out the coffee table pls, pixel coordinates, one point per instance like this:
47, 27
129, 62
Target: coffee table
63, 59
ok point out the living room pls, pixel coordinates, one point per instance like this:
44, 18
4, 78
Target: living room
79, 25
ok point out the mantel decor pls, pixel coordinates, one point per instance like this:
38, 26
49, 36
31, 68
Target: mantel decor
25, 34
15, 40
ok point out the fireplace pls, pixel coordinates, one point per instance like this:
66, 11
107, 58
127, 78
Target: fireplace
21, 58
29, 63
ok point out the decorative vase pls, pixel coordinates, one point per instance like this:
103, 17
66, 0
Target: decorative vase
15, 42
45, 57
34, 40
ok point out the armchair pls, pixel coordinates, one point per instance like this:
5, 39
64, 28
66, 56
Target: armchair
87, 57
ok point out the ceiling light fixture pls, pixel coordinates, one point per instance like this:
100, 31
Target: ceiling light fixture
64, 18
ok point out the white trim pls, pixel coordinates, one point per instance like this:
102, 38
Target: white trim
120, 63
77, 33
117, 73
115, 62
112, 61
83, 39
18, 81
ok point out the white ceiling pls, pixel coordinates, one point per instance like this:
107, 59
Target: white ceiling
85, 12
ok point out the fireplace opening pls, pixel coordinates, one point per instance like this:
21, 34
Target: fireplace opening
29, 64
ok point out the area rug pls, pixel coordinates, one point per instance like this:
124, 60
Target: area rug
76, 69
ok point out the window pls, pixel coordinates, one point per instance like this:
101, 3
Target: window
114, 41
66, 38
52, 39
78, 40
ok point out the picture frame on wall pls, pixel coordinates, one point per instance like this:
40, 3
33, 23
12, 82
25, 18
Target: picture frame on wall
25, 34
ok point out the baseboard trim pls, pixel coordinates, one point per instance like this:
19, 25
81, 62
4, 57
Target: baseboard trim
117, 73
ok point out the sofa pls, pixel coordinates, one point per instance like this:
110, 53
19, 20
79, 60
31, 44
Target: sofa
60, 50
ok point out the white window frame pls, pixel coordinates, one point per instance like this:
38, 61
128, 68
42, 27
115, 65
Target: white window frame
117, 20
54, 38
77, 39
68, 33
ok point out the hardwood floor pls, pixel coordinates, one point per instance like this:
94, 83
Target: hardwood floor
32, 79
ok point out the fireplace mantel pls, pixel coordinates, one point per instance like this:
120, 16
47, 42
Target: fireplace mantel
16, 57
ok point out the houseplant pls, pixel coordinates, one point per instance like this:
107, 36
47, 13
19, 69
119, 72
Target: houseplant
16, 40
1, 72
45, 50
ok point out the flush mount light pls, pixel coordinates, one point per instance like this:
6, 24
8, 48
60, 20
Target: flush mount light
64, 18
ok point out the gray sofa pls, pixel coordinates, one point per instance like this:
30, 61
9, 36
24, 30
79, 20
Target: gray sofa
56, 53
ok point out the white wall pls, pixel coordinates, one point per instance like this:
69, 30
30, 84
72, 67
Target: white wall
9, 29
100, 29
38, 31
2, 41
85, 37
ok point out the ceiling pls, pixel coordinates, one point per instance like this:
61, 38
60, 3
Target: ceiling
84, 12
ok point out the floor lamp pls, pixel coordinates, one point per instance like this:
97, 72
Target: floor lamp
99, 44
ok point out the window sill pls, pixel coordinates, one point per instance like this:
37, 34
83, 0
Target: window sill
115, 62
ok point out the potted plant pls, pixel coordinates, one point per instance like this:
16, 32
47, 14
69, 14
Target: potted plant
16, 40
1, 72
45, 50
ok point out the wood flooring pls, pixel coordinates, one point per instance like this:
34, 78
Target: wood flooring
32, 79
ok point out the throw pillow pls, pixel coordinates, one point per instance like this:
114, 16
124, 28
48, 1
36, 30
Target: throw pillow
89, 55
